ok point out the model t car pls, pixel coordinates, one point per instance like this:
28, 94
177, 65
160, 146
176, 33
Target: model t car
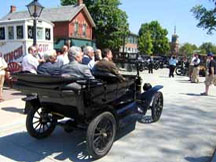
96, 105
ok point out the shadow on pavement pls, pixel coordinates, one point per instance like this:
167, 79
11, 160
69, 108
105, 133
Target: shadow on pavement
190, 94
195, 94
17, 94
163, 76
13, 109
199, 159
59, 146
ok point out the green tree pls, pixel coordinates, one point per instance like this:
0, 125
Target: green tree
111, 22
145, 43
207, 47
206, 17
159, 38
187, 49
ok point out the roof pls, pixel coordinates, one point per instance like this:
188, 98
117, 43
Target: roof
59, 14
133, 34
22, 20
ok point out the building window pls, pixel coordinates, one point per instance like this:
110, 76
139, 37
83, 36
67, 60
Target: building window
19, 30
30, 32
2, 33
11, 32
84, 30
39, 33
47, 34
76, 28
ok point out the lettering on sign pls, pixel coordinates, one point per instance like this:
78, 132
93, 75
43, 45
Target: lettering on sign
43, 48
14, 55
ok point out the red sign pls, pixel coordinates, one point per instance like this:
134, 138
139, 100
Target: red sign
14, 55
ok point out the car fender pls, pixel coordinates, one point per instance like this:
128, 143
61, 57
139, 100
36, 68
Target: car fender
148, 96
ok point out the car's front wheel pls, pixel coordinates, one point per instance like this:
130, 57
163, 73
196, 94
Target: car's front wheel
157, 106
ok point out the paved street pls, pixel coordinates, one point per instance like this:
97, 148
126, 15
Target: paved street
185, 133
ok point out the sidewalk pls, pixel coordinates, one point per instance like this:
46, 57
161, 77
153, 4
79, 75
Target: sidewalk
11, 115
185, 132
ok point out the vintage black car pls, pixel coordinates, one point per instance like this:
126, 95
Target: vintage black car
96, 105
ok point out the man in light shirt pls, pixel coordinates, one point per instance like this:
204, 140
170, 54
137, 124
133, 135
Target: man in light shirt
63, 58
30, 61
3, 66
195, 73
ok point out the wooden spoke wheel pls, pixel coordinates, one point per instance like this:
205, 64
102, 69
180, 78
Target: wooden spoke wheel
39, 123
101, 134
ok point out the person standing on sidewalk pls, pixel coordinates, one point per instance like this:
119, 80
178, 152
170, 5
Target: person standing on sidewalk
150, 64
172, 65
211, 74
191, 66
195, 73
3, 66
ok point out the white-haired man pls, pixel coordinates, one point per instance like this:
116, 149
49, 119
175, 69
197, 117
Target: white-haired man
75, 68
88, 58
50, 66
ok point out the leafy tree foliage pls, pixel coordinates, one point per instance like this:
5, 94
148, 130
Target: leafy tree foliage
206, 17
207, 47
187, 49
159, 38
111, 22
145, 43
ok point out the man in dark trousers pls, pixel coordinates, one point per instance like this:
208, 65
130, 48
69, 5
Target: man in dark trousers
150, 64
211, 74
172, 65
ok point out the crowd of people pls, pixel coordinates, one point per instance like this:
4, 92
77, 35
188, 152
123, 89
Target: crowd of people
82, 63
72, 61
194, 69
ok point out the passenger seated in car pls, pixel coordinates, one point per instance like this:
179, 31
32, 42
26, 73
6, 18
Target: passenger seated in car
107, 65
30, 62
50, 66
75, 68
88, 58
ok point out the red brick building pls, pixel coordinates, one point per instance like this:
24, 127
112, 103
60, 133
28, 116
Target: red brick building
130, 44
72, 23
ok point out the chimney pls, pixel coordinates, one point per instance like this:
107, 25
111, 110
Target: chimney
12, 9
80, 2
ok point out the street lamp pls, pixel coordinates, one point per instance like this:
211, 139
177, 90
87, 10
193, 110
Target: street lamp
35, 9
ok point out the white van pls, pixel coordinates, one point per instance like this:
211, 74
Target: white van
17, 35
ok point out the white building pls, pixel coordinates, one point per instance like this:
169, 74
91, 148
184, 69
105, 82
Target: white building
17, 35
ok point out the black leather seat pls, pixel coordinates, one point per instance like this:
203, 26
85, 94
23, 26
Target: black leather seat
106, 76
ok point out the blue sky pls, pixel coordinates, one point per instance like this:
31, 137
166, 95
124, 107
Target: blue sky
169, 13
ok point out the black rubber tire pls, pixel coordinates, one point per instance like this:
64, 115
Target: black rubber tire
178, 71
157, 106
47, 129
92, 137
156, 67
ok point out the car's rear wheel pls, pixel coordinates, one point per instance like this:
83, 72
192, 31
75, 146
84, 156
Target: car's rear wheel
101, 134
157, 106
40, 123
